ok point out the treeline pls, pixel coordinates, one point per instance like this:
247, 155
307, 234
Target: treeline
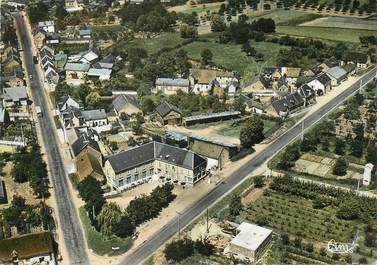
149, 16
242, 31
110, 219
30, 166
350, 205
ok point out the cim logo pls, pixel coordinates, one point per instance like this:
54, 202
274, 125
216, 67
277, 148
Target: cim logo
341, 248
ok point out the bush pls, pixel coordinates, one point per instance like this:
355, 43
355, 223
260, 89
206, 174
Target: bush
179, 250
204, 247
340, 167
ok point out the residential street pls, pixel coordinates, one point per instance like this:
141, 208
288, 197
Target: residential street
167, 231
67, 214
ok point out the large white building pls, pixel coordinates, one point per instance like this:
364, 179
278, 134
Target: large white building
250, 242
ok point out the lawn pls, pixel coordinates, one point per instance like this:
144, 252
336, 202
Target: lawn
98, 243
152, 45
200, 8
343, 22
234, 130
334, 34
230, 56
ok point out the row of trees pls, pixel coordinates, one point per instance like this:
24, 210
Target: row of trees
252, 132
36, 174
108, 217
350, 205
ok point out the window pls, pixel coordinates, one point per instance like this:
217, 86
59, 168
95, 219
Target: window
120, 182
128, 180
144, 174
151, 171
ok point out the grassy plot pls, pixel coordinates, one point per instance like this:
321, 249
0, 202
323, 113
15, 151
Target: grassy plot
152, 45
107, 28
281, 15
234, 130
230, 56
334, 34
98, 243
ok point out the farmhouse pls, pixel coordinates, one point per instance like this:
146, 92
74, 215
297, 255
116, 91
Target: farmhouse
217, 153
100, 74
47, 26
307, 93
68, 101
250, 242
167, 113
321, 84
15, 96
126, 104
337, 75
202, 80
257, 83
288, 104
211, 117
170, 86
361, 60
28, 249
155, 161
88, 157
76, 72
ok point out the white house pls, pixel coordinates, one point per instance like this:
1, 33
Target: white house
367, 176
202, 80
250, 242
321, 84
337, 75
101, 74
170, 86
68, 101
95, 118
48, 26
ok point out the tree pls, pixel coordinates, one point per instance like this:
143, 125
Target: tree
285, 239
252, 132
179, 250
206, 55
239, 105
235, 205
340, 167
108, 217
258, 181
348, 210
217, 23
340, 146
371, 156
124, 227
357, 147
147, 105
188, 32
290, 155
204, 247
38, 12
250, 51
90, 191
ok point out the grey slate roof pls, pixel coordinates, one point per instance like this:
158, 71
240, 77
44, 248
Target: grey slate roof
96, 114
15, 93
83, 141
149, 152
306, 91
205, 116
64, 99
165, 107
122, 100
324, 79
79, 67
172, 82
337, 72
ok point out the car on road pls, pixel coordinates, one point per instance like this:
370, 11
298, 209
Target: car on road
31, 77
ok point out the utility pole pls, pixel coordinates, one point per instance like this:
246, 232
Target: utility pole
179, 226
207, 222
302, 130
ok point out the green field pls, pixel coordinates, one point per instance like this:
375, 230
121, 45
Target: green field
280, 15
152, 45
230, 56
234, 130
334, 34
107, 28
98, 243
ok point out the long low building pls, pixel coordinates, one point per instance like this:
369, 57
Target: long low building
154, 161
211, 117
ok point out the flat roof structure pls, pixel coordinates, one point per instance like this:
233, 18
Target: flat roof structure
251, 236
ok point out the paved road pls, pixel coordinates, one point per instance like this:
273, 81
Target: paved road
68, 217
167, 231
